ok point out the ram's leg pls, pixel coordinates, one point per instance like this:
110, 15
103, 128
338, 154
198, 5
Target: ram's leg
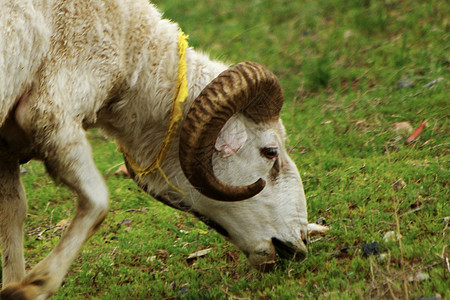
13, 209
67, 156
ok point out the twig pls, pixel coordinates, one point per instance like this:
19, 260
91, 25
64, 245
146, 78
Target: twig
115, 166
390, 288
397, 221
411, 211
293, 147
445, 261
388, 155
440, 145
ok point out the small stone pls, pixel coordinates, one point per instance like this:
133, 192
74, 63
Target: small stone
403, 127
382, 257
348, 34
344, 252
405, 83
23, 170
370, 249
321, 221
399, 184
419, 276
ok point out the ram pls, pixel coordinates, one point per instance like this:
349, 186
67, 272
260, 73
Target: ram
67, 66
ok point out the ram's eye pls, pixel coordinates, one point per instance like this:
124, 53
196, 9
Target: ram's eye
269, 152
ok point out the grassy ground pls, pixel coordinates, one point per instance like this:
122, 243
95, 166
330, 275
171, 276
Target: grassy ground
351, 71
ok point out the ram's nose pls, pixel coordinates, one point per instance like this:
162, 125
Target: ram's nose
263, 257
289, 250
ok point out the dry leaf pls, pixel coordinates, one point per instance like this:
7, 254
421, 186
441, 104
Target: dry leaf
40, 236
63, 224
314, 228
198, 254
122, 170
126, 222
416, 133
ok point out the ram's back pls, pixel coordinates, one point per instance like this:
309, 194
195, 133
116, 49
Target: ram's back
24, 40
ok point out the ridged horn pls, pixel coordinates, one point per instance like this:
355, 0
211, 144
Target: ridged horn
249, 88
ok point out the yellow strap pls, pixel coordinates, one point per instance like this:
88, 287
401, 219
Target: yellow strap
181, 93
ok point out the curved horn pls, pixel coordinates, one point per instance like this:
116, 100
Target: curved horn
247, 87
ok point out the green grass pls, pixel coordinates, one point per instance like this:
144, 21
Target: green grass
340, 63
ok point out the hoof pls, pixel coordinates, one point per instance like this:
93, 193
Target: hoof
18, 291
13, 292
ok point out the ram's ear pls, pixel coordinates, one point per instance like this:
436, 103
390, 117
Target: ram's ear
231, 138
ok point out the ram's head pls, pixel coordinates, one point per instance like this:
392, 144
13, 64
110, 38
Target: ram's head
232, 152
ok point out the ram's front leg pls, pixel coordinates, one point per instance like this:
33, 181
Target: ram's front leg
13, 210
67, 155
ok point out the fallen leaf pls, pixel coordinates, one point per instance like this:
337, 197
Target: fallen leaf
314, 228
198, 254
122, 171
40, 236
416, 133
63, 224
126, 222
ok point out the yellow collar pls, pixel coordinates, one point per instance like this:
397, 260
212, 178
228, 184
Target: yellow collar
176, 114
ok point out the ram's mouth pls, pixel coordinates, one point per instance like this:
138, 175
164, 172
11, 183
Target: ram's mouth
287, 250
